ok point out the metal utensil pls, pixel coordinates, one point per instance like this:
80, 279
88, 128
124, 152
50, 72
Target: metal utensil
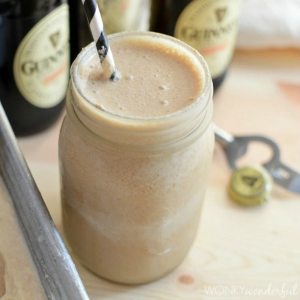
55, 267
236, 146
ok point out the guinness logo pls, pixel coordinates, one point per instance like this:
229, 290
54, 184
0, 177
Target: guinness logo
220, 13
54, 38
250, 180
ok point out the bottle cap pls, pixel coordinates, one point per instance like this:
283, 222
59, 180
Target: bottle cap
250, 185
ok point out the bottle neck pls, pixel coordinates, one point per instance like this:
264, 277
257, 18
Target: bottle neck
25, 8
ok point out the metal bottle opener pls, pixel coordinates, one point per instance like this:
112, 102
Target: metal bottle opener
236, 146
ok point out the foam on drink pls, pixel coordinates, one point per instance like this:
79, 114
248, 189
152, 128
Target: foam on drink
156, 79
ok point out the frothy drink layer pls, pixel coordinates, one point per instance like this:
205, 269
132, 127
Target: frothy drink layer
156, 79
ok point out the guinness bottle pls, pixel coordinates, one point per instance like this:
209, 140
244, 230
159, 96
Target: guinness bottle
117, 15
210, 26
34, 61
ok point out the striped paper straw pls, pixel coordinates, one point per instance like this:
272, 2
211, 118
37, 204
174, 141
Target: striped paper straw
93, 16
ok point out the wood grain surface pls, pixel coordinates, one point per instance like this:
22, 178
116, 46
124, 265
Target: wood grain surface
239, 253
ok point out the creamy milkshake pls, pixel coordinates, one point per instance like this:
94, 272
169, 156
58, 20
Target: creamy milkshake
134, 157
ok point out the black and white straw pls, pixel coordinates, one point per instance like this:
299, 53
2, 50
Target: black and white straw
93, 16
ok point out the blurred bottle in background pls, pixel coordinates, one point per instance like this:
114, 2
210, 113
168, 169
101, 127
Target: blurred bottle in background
117, 15
210, 26
125, 15
34, 62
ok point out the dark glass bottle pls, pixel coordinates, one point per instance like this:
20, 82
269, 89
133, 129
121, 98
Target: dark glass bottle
80, 35
210, 26
34, 62
117, 15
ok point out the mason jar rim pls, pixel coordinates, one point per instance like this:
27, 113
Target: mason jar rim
178, 128
203, 96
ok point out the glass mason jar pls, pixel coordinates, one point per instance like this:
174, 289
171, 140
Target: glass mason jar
133, 188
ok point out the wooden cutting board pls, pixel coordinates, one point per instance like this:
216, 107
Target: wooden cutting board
239, 253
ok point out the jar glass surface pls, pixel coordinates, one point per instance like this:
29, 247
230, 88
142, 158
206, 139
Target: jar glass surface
133, 187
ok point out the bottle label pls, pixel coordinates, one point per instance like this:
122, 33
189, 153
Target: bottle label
41, 62
125, 15
211, 28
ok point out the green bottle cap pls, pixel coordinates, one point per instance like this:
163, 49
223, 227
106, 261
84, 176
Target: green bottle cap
250, 186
